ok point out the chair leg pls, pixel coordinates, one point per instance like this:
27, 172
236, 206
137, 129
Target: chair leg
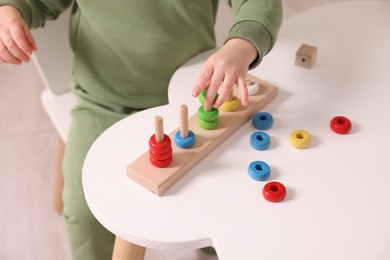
124, 250
59, 178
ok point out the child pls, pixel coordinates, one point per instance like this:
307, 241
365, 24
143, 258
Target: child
125, 53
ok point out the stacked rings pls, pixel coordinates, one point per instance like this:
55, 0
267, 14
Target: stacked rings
208, 120
262, 121
160, 153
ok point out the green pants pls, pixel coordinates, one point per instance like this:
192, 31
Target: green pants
89, 240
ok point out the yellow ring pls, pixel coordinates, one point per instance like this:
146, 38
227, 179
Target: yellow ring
229, 106
300, 139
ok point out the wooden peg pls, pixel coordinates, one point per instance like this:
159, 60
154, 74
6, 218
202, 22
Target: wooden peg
207, 109
184, 121
159, 129
230, 97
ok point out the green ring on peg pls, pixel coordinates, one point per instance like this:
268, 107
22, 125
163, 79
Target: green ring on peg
210, 116
203, 94
208, 125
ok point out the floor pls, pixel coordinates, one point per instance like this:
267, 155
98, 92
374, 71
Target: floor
29, 228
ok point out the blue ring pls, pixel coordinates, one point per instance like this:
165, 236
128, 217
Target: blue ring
186, 142
259, 170
262, 121
260, 140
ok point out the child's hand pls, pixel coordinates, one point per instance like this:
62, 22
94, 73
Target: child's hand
16, 41
228, 66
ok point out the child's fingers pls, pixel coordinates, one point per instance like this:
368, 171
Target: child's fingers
242, 86
19, 46
6, 56
30, 38
212, 90
203, 79
227, 88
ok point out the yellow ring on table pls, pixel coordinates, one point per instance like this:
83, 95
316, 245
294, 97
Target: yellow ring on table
229, 106
300, 139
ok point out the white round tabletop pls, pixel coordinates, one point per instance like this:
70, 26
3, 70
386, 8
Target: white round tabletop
338, 196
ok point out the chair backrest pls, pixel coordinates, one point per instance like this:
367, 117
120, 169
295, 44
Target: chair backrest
54, 57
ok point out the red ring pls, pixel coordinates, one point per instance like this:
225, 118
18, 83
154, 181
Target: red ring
157, 155
161, 164
274, 191
340, 125
160, 147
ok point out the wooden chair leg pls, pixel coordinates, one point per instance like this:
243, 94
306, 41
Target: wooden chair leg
59, 178
124, 250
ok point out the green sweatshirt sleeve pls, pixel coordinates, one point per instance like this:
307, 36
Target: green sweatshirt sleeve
257, 21
35, 13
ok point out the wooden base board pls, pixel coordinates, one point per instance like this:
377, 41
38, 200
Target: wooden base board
159, 180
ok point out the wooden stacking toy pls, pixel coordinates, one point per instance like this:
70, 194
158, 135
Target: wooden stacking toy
159, 180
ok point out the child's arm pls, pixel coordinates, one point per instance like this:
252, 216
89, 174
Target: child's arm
229, 65
251, 36
16, 41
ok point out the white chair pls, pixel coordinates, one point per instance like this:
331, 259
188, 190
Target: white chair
53, 61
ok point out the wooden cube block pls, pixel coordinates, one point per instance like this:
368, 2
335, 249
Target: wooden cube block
306, 56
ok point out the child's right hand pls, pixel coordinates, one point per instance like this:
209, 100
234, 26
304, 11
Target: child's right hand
16, 41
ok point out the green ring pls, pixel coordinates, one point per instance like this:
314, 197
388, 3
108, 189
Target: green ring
203, 94
210, 116
208, 125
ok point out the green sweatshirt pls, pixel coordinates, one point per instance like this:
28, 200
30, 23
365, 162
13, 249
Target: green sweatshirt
127, 50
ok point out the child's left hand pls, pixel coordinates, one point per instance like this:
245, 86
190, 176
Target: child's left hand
228, 66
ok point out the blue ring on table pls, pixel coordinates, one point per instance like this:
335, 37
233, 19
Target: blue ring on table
262, 120
259, 170
260, 140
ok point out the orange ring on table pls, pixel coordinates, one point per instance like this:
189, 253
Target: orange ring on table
341, 125
274, 191
157, 155
160, 164
300, 139
231, 105
160, 147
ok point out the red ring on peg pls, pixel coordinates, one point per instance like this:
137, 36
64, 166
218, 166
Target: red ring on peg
274, 191
160, 147
341, 125
160, 164
158, 156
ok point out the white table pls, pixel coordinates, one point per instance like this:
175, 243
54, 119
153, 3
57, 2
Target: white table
338, 195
